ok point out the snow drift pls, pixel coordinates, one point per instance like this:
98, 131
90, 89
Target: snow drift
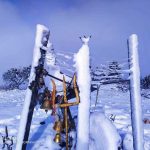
103, 133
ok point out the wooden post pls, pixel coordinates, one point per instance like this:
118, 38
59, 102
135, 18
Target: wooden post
135, 96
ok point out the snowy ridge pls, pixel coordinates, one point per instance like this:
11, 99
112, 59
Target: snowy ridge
65, 62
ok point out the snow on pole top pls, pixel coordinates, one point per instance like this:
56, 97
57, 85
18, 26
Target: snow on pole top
134, 39
42, 35
133, 53
85, 40
41, 41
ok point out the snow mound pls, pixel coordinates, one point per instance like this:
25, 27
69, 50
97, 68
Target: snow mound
103, 133
128, 142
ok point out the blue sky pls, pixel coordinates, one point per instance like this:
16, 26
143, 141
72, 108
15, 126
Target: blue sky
110, 22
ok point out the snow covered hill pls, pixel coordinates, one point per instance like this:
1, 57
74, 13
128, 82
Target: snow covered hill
111, 101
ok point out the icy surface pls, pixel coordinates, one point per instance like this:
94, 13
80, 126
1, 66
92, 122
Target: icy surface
82, 63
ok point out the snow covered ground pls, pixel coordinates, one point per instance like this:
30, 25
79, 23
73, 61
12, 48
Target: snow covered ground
116, 103
111, 101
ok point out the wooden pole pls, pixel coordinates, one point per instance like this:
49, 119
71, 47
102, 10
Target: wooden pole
135, 96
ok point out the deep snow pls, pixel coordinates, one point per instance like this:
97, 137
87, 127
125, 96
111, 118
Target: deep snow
111, 101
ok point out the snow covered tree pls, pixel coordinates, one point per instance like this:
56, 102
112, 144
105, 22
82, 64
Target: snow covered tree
108, 72
114, 69
15, 77
98, 73
145, 82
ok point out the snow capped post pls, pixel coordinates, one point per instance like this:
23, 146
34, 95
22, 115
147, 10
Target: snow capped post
41, 41
82, 63
135, 96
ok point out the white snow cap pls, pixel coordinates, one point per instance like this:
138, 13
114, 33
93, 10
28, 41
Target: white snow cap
40, 39
85, 40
